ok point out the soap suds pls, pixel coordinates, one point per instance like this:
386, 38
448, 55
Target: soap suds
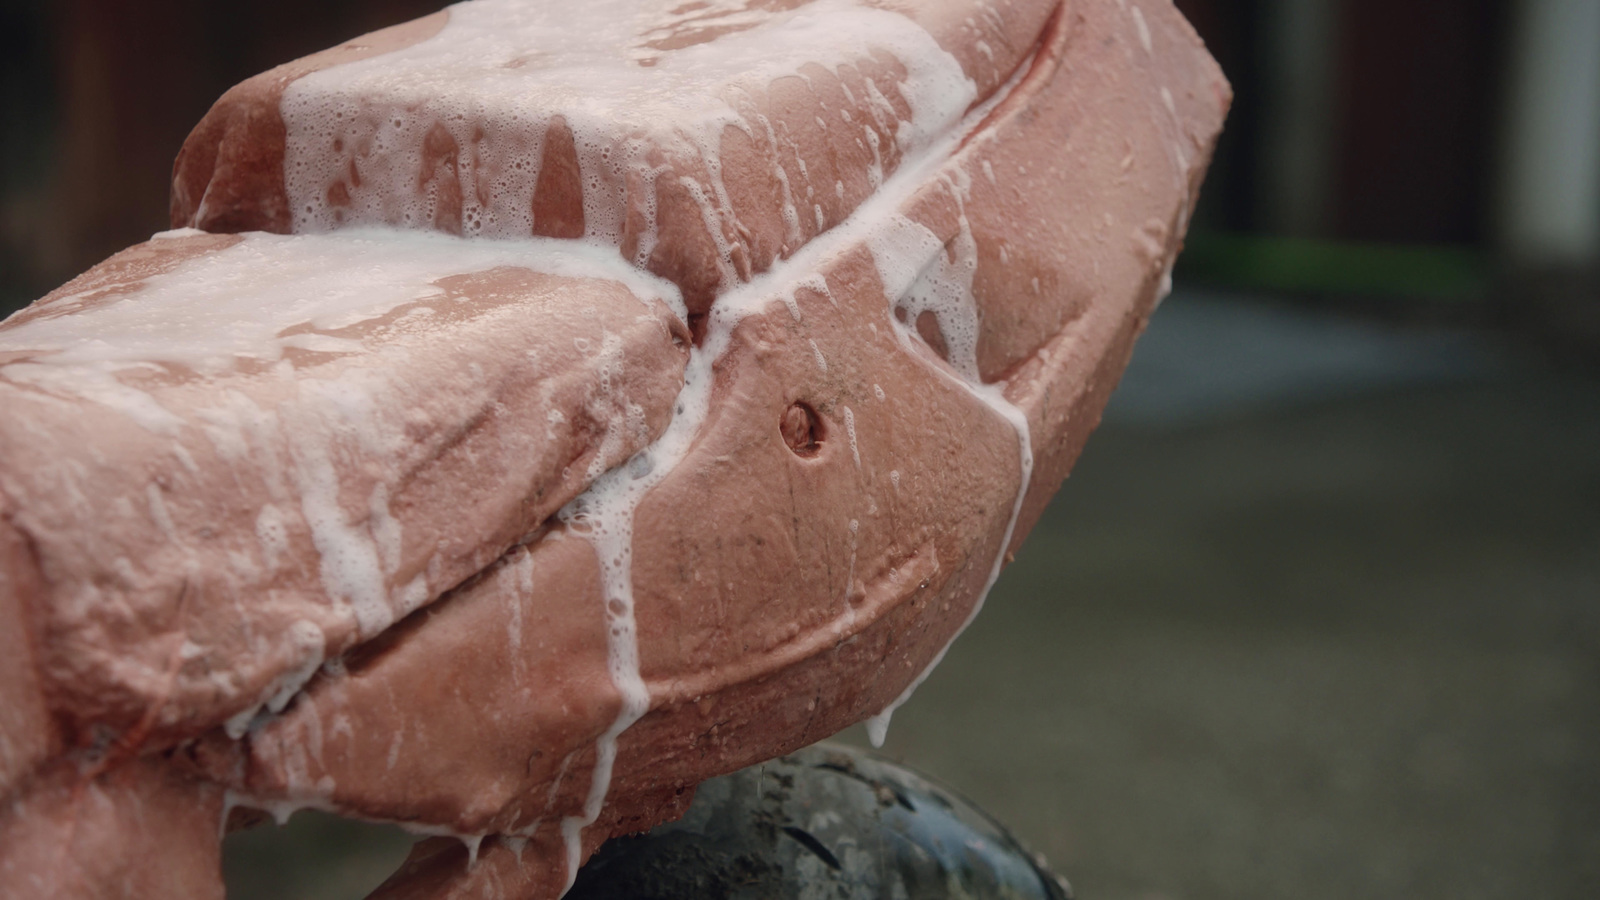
470, 108
816, 352
604, 513
219, 309
928, 275
240, 310
589, 79
850, 432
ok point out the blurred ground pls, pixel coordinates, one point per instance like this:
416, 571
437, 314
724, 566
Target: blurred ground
1327, 642
1317, 616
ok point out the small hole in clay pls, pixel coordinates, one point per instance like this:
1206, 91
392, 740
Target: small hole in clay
802, 429
697, 328
928, 329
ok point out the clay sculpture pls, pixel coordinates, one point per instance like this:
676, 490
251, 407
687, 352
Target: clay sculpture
540, 410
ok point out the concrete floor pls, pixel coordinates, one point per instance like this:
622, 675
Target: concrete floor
1317, 616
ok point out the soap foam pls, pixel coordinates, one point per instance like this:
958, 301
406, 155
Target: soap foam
589, 74
214, 310
250, 303
467, 111
605, 512
927, 276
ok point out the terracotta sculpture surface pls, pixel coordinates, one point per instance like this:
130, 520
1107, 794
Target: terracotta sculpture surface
534, 413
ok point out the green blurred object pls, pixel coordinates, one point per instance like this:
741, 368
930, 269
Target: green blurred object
1303, 265
314, 856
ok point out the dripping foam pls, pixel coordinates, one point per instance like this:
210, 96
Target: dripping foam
606, 510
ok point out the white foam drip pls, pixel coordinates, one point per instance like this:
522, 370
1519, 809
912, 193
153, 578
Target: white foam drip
916, 264
346, 551
473, 842
500, 71
597, 516
282, 809
813, 282
791, 216
816, 353
605, 511
850, 432
604, 514
926, 275
1143, 28
995, 399
252, 302
850, 574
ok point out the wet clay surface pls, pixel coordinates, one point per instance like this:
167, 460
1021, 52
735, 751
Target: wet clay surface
730, 548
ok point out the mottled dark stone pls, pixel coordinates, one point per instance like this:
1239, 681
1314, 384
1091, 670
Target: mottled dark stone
829, 821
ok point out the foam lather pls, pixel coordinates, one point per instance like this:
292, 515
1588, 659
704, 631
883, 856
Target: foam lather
541, 408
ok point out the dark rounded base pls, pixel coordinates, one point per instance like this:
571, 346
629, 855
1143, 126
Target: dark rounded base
827, 822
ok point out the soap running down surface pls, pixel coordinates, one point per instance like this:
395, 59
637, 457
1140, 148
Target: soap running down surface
1328, 643
555, 432
624, 102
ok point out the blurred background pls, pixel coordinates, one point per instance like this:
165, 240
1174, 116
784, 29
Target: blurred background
1318, 613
